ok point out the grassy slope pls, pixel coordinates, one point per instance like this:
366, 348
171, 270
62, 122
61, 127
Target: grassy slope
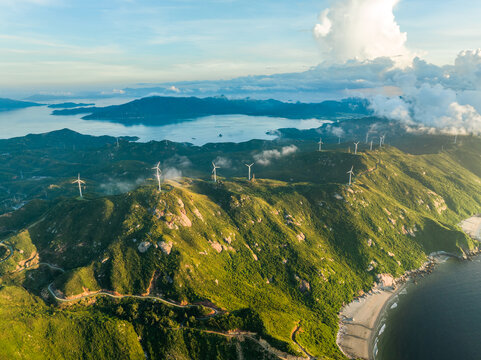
275, 236
31, 330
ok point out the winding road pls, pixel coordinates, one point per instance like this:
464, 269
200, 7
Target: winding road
214, 310
293, 337
237, 334
9, 250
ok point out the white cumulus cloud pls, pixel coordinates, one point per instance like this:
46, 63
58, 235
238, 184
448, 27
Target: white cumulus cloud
265, 157
362, 30
433, 106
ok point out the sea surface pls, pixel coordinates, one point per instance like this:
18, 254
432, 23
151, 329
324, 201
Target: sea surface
438, 319
224, 128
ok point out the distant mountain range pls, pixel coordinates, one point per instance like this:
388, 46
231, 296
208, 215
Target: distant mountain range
9, 104
56, 140
319, 83
161, 110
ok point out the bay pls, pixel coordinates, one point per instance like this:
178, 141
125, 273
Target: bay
222, 128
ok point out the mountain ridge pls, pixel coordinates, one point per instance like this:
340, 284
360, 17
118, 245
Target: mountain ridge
163, 110
9, 104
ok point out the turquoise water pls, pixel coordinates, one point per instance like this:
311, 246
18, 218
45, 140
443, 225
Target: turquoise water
225, 128
439, 318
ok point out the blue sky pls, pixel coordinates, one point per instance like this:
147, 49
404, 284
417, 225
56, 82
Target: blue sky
46, 44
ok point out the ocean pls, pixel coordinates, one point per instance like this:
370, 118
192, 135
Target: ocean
439, 318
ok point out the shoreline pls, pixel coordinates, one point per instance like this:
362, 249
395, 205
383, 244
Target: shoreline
372, 345
360, 320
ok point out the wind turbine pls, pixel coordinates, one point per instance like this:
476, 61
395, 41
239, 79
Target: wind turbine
351, 172
339, 140
381, 140
456, 138
320, 144
370, 148
80, 183
214, 171
355, 147
158, 172
367, 137
249, 166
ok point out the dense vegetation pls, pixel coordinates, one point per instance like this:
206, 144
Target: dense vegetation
29, 329
288, 248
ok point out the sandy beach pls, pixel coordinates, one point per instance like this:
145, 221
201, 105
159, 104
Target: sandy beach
358, 322
472, 227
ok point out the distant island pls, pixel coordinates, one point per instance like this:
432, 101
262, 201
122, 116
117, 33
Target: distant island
158, 110
68, 105
9, 104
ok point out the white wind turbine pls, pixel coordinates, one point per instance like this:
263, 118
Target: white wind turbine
456, 138
80, 183
249, 166
351, 172
370, 148
320, 144
367, 137
381, 140
355, 147
158, 172
214, 171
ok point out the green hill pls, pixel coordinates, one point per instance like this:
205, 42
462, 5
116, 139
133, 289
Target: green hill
291, 247
31, 330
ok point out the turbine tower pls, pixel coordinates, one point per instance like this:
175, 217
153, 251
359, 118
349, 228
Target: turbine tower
158, 172
320, 144
80, 183
339, 140
355, 147
249, 166
456, 138
370, 148
214, 171
367, 137
351, 172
